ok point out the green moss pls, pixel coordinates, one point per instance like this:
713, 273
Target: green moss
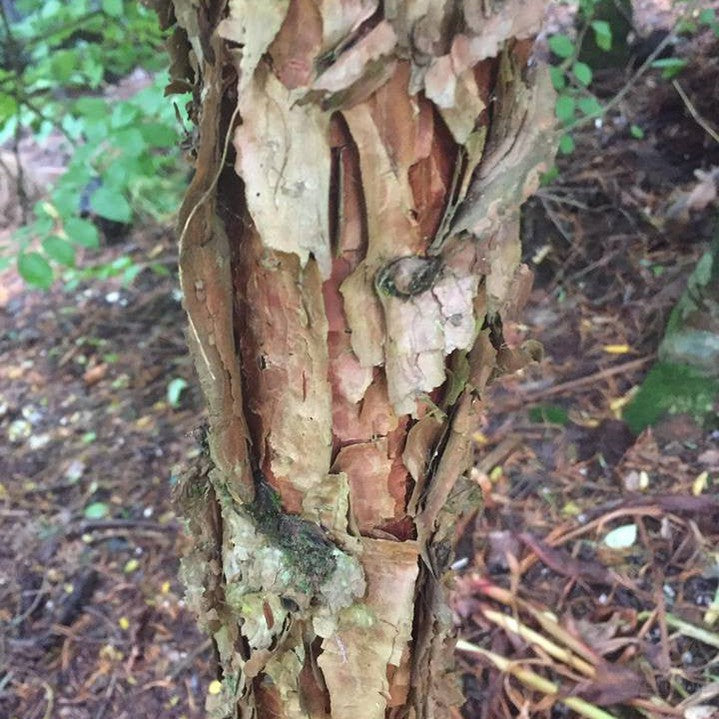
302, 542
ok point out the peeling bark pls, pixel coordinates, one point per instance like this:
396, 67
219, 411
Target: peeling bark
348, 240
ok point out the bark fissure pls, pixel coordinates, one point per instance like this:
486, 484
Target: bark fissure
337, 281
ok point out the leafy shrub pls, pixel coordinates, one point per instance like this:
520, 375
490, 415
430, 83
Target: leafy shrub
56, 59
604, 26
572, 76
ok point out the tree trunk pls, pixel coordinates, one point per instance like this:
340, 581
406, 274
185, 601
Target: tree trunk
349, 255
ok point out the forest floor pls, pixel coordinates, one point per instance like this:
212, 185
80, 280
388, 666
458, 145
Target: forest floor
616, 533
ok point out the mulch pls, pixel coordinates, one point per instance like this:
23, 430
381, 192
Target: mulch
600, 541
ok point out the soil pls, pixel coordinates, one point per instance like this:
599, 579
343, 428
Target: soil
91, 606
92, 612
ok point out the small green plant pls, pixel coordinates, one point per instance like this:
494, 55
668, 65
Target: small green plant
694, 22
573, 77
549, 414
688, 25
672, 389
124, 156
175, 388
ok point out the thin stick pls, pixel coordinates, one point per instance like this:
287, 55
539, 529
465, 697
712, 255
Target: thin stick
627, 87
688, 630
187, 662
510, 624
535, 681
579, 382
547, 623
49, 698
693, 112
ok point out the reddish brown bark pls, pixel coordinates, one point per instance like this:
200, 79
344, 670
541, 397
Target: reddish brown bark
349, 247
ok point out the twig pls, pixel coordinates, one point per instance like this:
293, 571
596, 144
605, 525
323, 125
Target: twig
687, 629
627, 87
543, 618
535, 681
23, 100
695, 114
11, 48
50, 699
39, 594
499, 453
573, 384
189, 659
545, 195
108, 696
21, 193
126, 524
510, 624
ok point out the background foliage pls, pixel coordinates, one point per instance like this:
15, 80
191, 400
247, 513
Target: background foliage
58, 60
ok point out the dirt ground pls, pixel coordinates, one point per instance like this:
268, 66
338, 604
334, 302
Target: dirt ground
92, 616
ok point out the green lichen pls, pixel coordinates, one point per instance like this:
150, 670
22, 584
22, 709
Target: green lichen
303, 543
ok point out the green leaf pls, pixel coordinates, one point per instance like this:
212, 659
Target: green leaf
50, 8
120, 263
96, 131
564, 108
82, 232
621, 537
130, 273
121, 172
8, 107
549, 414
130, 141
566, 144
707, 16
671, 389
95, 72
157, 134
66, 200
602, 34
590, 106
124, 114
174, 390
112, 7
636, 132
558, 79
35, 269
160, 270
96, 510
110, 204
583, 73
548, 177
63, 65
92, 108
561, 45
670, 66
59, 250
587, 8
